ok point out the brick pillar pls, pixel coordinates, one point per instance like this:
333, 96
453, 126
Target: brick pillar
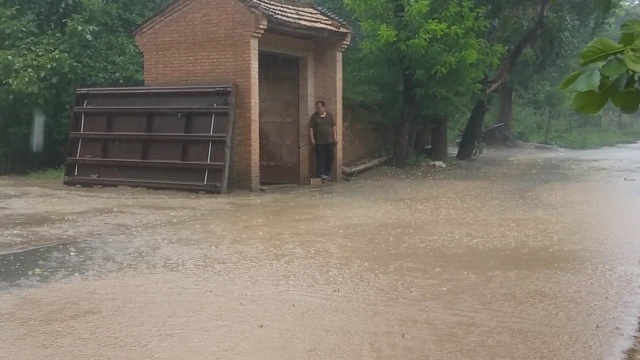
307, 107
339, 117
328, 81
254, 143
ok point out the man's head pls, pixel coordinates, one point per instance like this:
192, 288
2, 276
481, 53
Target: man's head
321, 107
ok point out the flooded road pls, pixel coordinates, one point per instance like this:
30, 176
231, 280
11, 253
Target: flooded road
525, 254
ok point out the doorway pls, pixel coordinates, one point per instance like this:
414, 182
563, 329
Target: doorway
279, 119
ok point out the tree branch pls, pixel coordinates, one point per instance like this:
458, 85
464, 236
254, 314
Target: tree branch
514, 54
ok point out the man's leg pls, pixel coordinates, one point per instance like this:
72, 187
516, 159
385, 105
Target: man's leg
319, 160
328, 159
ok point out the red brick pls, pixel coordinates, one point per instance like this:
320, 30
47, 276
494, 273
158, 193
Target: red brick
217, 41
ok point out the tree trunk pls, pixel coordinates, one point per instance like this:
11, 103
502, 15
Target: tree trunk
570, 125
405, 140
400, 153
547, 130
600, 124
506, 107
439, 146
472, 130
620, 120
474, 126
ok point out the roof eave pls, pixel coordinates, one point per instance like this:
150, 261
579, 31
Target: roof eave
303, 30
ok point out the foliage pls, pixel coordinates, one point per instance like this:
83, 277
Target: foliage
539, 120
49, 174
437, 41
417, 160
611, 70
46, 51
439, 51
425, 58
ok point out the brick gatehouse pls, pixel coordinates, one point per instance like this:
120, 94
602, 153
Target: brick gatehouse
283, 55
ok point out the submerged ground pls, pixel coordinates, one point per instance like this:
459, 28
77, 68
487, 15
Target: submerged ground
525, 254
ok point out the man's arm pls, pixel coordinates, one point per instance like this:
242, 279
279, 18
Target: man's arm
312, 139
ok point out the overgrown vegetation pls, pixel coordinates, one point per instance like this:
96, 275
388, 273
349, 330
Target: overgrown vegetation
524, 95
609, 74
47, 49
415, 69
48, 174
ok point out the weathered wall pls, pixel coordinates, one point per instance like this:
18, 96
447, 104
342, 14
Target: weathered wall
360, 140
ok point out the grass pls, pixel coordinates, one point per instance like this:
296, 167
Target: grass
595, 138
417, 160
49, 174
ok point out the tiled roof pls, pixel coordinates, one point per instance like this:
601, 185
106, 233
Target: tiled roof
307, 16
301, 15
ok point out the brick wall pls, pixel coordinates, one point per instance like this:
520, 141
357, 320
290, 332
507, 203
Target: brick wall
360, 140
211, 42
217, 42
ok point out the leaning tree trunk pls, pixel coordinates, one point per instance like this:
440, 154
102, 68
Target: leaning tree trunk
474, 125
439, 146
547, 129
506, 107
472, 130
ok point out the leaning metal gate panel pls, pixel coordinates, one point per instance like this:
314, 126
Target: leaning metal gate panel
155, 137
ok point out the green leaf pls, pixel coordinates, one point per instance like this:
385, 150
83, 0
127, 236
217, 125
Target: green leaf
627, 39
570, 80
590, 102
89, 37
632, 60
627, 100
614, 68
630, 27
588, 81
603, 5
600, 49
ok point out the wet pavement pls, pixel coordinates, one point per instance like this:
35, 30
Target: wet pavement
525, 254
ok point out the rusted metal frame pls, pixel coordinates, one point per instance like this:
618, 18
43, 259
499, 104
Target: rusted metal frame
148, 137
152, 109
157, 184
107, 129
186, 130
229, 140
148, 130
80, 141
155, 90
206, 173
186, 138
147, 163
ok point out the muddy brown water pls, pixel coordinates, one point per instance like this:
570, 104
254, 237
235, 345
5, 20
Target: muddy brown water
524, 254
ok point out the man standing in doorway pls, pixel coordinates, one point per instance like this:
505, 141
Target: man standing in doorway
323, 136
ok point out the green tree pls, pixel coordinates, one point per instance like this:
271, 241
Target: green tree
433, 54
542, 14
47, 50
